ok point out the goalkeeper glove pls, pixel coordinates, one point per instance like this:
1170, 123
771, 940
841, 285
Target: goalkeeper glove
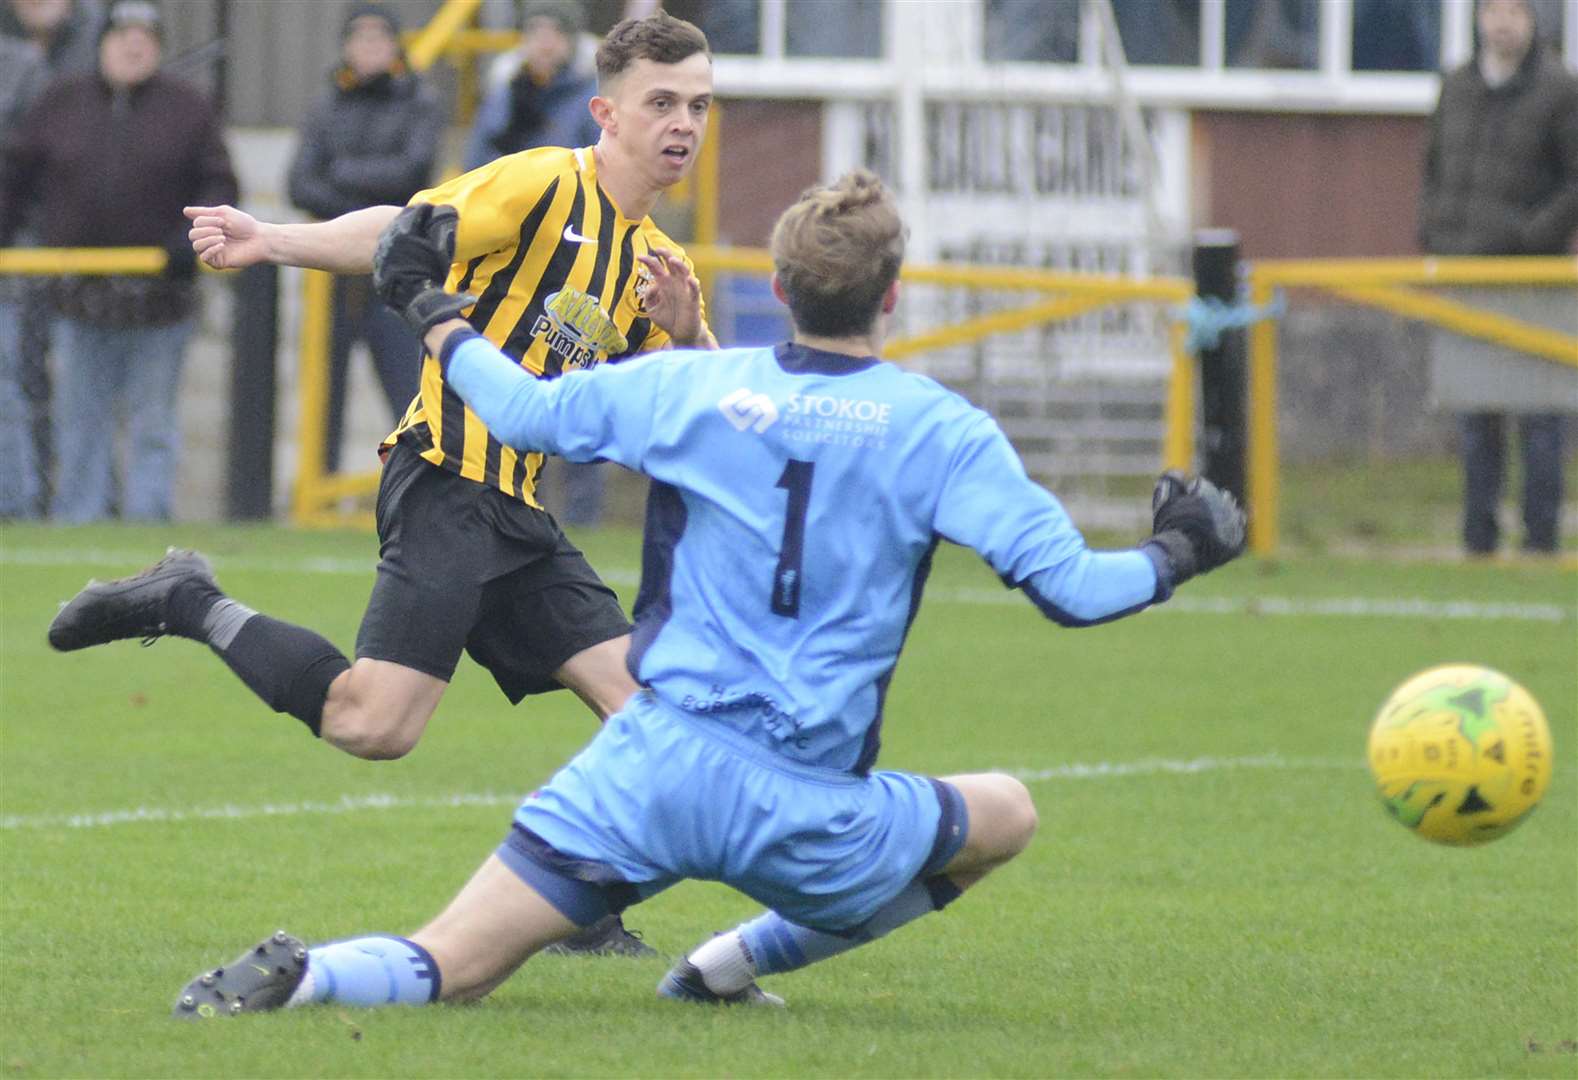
411, 262
1198, 526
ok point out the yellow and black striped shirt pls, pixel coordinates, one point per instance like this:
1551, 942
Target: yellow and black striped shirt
552, 262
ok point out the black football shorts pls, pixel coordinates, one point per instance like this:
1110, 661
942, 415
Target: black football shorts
464, 566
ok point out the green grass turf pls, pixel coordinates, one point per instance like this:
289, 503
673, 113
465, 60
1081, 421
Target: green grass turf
1372, 502
1264, 919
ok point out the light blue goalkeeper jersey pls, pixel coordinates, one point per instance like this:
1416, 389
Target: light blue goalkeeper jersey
797, 499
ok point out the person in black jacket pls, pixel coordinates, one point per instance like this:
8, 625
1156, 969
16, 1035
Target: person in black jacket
1501, 178
371, 140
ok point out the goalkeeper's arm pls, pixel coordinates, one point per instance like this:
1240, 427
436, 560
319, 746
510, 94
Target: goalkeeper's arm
505, 398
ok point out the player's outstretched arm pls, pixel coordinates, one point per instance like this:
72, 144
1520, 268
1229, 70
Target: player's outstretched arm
504, 397
603, 413
228, 239
990, 505
1198, 527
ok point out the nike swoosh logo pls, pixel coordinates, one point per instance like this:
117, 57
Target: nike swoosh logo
574, 237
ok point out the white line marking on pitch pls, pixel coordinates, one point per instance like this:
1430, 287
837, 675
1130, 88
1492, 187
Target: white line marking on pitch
345, 804
1104, 770
1350, 607
1099, 770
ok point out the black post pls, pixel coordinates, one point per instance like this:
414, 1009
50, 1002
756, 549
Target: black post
1222, 369
249, 482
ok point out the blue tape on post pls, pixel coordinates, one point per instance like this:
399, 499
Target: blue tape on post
1210, 318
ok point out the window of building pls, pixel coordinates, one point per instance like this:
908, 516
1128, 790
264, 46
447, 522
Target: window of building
1032, 30
850, 28
1160, 31
1396, 35
1282, 34
731, 26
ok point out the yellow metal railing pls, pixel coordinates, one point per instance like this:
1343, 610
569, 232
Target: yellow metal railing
315, 494
315, 490
1383, 284
424, 46
90, 261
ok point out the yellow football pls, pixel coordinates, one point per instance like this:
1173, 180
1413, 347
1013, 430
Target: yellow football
1461, 754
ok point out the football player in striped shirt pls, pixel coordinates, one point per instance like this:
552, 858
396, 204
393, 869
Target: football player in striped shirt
568, 271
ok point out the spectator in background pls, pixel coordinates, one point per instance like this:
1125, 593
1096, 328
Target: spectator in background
39, 40
109, 159
539, 96
65, 31
1501, 178
22, 76
370, 140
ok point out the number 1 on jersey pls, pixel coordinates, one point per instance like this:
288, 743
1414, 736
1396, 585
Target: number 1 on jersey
796, 480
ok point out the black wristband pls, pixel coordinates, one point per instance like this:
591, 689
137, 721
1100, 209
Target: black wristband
455, 340
1166, 576
1180, 554
432, 306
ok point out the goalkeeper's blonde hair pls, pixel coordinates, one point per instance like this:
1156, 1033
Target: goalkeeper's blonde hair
836, 251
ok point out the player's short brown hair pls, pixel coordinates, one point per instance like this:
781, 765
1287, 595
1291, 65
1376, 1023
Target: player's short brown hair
659, 37
836, 251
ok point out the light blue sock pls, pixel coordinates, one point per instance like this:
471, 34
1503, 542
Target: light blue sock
377, 970
776, 945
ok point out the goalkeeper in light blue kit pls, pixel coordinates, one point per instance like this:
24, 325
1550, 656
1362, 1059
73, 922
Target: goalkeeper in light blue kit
798, 494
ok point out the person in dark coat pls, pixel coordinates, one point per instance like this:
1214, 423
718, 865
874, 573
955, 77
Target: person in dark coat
370, 140
1501, 178
110, 159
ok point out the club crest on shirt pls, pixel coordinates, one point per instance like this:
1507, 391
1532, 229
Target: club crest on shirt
643, 285
575, 327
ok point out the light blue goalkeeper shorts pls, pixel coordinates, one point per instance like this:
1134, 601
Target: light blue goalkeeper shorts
661, 795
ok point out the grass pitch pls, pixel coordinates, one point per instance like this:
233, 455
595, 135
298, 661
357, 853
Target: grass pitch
1215, 890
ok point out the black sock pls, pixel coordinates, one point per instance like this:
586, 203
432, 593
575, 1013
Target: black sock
288, 666
188, 607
